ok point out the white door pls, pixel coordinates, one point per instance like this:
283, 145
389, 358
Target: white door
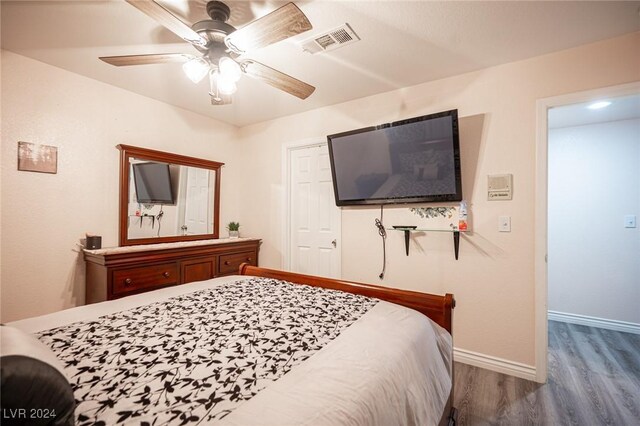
196, 215
314, 226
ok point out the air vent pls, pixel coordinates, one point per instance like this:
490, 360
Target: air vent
330, 40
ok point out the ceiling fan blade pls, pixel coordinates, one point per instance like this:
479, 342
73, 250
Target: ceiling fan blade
162, 58
280, 24
168, 20
277, 79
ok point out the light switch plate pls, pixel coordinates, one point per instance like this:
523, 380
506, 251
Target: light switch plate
630, 221
504, 223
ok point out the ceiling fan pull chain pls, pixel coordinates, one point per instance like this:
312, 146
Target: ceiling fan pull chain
213, 88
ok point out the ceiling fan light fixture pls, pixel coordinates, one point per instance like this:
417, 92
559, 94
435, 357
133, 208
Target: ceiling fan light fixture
229, 69
221, 85
196, 69
226, 87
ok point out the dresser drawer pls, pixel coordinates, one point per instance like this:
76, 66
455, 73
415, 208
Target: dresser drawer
199, 269
145, 277
230, 263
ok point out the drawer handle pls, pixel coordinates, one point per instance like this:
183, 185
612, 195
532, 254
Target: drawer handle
248, 259
128, 281
226, 262
165, 274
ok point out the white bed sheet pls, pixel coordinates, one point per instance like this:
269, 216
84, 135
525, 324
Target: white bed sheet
391, 367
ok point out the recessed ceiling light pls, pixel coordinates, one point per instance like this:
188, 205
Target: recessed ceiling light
599, 105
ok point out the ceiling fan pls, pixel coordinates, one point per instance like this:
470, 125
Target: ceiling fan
222, 48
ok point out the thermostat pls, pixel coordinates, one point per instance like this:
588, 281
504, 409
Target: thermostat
500, 187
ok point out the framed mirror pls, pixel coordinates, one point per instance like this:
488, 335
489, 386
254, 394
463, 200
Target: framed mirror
167, 197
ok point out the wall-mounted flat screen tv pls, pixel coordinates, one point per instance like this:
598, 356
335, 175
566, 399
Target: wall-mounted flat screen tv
409, 161
153, 183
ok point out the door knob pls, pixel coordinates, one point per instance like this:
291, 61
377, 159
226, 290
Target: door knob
334, 243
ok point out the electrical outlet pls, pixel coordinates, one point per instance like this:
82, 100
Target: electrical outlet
504, 224
630, 221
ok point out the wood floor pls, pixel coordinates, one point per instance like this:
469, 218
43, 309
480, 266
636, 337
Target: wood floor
594, 379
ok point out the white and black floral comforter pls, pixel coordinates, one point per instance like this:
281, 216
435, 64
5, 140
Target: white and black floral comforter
365, 363
194, 358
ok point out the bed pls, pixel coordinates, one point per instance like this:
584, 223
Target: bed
258, 349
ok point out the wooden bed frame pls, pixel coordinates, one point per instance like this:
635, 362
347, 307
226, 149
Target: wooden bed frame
438, 308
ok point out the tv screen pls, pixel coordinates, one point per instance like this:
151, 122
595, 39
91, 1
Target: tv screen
409, 161
153, 183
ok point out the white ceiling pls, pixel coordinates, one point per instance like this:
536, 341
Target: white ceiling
403, 44
621, 108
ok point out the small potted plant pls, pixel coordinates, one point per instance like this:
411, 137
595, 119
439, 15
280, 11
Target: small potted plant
234, 229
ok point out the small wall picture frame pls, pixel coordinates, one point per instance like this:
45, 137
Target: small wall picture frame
37, 158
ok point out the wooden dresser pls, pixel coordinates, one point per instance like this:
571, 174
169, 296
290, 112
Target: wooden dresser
121, 271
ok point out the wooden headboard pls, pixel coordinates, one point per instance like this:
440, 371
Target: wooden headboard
438, 308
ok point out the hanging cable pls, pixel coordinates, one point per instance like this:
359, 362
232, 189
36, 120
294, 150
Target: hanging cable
159, 219
383, 233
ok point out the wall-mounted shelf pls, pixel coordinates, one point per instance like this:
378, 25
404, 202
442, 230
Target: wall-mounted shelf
407, 235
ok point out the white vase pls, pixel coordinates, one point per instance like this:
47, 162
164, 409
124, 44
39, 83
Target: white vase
234, 234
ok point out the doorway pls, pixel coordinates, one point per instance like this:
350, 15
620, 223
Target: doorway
593, 202
197, 215
312, 228
546, 199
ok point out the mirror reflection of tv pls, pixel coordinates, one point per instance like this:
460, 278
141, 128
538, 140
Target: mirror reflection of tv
416, 160
153, 183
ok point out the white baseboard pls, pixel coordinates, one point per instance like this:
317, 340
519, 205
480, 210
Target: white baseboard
492, 363
627, 327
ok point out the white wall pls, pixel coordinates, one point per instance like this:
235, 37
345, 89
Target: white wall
493, 281
45, 215
594, 181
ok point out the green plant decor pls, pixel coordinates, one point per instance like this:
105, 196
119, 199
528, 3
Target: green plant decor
428, 212
233, 226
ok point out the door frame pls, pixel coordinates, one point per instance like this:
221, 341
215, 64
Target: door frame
541, 208
287, 150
